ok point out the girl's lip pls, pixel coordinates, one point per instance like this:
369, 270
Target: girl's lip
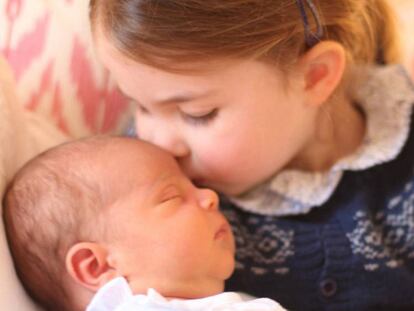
222, 231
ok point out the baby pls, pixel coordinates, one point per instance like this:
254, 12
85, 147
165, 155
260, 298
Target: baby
113, 224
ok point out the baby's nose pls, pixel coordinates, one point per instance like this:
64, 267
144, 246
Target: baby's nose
208, 199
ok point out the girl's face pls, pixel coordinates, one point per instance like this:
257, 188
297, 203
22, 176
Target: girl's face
229, 127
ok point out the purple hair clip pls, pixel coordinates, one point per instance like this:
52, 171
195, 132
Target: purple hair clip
311, 38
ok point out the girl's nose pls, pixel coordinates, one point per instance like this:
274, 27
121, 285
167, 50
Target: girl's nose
166, 137
208, 199
171, 143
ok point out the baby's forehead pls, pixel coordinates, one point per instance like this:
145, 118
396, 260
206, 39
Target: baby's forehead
140, 156
136, 165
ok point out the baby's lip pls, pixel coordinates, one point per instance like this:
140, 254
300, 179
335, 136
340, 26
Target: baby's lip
223, 230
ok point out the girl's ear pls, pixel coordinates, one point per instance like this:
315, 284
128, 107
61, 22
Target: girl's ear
323, 68
87, 263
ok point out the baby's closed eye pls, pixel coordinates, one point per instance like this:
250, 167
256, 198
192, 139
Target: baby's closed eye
169, 194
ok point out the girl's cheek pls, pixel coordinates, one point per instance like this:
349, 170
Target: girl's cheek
218, 157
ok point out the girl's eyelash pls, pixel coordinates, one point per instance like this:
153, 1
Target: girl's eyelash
200, 120
142, 109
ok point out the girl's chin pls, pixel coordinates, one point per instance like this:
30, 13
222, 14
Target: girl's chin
226, 189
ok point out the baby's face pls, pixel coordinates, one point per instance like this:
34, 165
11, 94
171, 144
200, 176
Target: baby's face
167, 233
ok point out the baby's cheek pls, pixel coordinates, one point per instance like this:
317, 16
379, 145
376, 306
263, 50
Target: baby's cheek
189, 253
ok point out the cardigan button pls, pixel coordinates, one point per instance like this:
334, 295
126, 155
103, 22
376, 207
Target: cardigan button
328, 287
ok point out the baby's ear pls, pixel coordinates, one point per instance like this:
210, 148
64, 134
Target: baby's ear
87, 263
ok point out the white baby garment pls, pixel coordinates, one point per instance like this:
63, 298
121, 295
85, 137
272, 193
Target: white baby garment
116, 295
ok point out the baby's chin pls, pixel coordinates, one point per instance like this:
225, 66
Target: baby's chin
230, 270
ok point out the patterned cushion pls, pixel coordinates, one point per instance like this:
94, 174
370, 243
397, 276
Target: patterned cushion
48, 44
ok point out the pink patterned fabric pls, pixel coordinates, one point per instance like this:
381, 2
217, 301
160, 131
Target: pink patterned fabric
49, 47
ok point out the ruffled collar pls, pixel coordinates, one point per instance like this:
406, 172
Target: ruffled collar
387, 91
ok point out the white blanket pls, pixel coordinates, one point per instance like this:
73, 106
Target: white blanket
116, 295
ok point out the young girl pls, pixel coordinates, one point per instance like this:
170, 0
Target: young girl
293, 111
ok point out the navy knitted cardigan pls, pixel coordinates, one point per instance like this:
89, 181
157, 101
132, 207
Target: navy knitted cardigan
355, 252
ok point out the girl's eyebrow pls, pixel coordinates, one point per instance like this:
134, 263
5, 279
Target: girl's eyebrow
174, 99
179, 99
184, 98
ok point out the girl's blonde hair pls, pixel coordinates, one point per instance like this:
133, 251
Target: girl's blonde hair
169, 33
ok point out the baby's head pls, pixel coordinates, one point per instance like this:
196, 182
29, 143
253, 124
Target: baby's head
88, 211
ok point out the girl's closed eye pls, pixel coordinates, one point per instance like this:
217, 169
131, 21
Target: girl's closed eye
199, 118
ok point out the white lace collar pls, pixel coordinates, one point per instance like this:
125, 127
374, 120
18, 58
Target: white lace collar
387, 92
